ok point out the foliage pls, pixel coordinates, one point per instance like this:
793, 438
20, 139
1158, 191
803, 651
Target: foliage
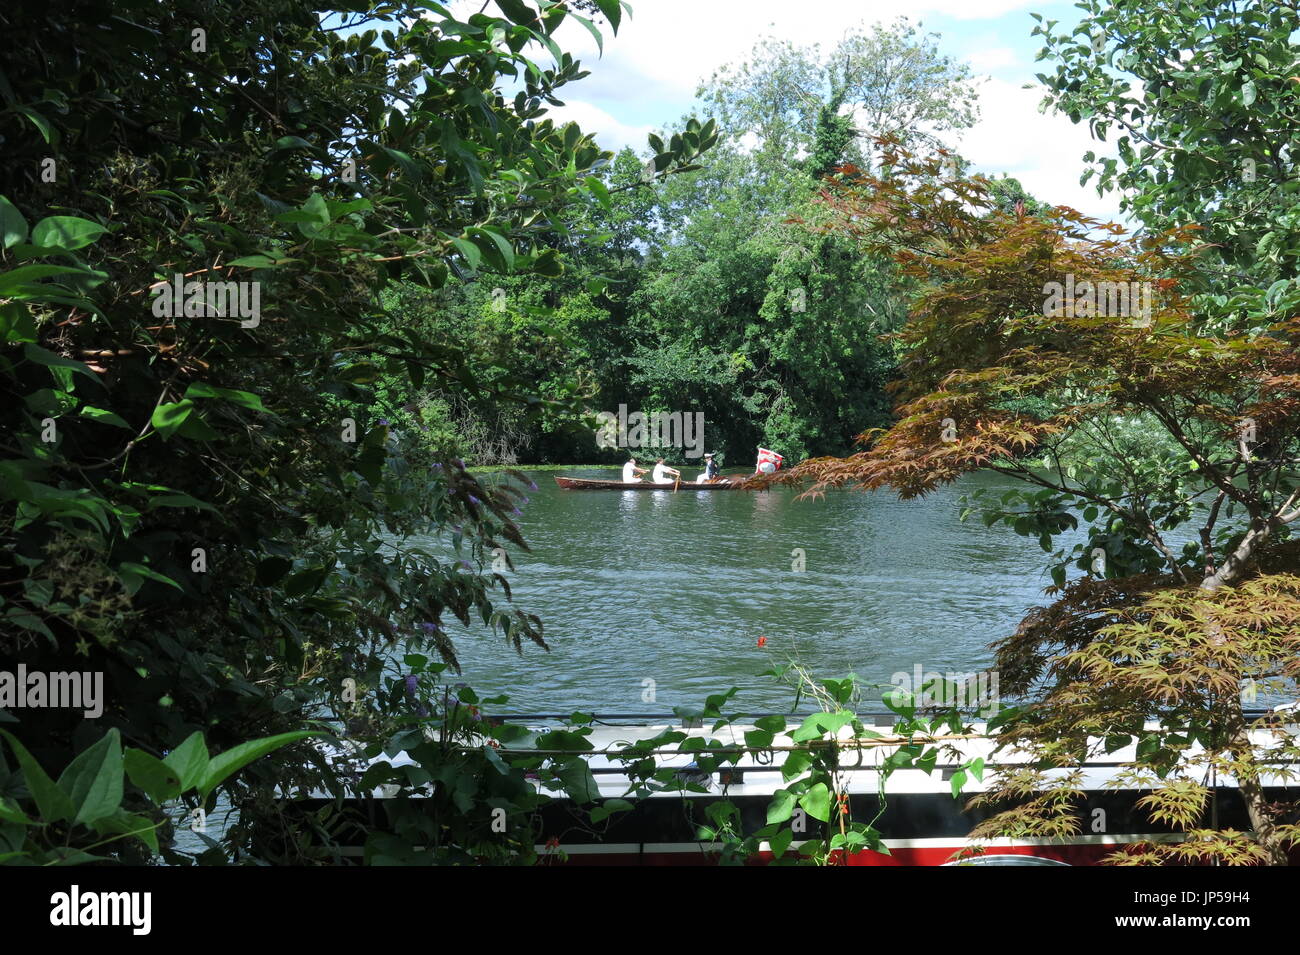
698, 294
1000, 370
485, 781
59, 822
208, 507
1182, 661
891, 79
1200, 101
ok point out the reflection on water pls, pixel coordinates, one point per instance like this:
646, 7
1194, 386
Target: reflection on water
677, 587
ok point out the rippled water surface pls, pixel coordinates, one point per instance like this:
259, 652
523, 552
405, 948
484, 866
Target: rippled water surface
678, 587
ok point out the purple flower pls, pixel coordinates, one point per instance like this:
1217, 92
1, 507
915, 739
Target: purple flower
437, 466
465, 564
422, 710
516, 511
429, 627
412, 683
473, 499
384, 422
532, 487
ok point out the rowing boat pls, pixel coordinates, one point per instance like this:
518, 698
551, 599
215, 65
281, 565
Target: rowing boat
587, 484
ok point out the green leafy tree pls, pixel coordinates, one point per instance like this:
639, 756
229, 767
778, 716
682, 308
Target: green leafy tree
1200, 101
204, 503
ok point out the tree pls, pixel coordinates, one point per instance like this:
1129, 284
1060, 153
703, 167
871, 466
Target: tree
202, 502
773, 331
882, 81
1201, 101
1001, 366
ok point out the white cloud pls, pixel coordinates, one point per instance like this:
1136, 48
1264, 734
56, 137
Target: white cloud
995, 58
1044, 151
610, 133
649, 72
673, 44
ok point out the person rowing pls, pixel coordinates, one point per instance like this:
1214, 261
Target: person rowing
661, 472
630, 472
711, 470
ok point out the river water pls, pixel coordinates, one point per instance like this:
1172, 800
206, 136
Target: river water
678, 587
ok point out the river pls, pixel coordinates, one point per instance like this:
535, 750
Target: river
678, 587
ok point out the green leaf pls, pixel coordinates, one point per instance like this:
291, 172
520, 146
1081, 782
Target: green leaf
781, 842
256, 261
133, 574
613, 10
13, 227
469, 250
189, 760
235, 759
503, 247
40, 122
817, 802
105, 417
821, 724
126, 823
600, 46
317, 208
958, 780
306, 581
292, 142
177, 499
93, 781
517, 11
50, 360
159, 781
13, 281
244, 399
168, 418
773, 724
66, 233
196, 429
9, 812
608, 808
576, 778
52, 801
781, 807
17, 324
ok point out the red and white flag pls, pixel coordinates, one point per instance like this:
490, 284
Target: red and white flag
771, 459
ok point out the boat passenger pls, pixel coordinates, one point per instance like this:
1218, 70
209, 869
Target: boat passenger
630, 472
711, 470
662, 471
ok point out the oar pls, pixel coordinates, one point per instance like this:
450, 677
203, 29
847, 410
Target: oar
678, 482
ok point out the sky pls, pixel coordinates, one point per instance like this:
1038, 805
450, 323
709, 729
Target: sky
647, 77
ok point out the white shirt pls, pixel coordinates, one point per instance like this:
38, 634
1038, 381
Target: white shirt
629, 474
661, 474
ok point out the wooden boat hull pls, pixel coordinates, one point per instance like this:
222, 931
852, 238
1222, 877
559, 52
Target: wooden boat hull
587, 484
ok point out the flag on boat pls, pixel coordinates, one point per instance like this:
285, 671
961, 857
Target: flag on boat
768, 461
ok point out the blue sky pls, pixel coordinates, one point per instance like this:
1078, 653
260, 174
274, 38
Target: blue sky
648, 74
